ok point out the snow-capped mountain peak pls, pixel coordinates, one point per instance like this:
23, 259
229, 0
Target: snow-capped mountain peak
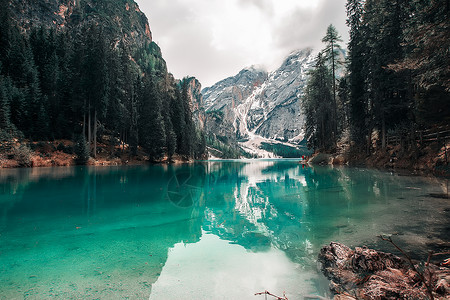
256, 105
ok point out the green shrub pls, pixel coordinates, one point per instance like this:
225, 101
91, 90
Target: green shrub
66, 149
81, 150
22, 154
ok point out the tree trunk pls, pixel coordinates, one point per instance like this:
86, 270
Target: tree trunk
445, 151
84, 118
334, 96
95, 133
413, 142
383, 132
89, 128
322, 142
122, 139
369, 139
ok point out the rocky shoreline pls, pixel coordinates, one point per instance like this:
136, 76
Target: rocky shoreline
364, 273
432, 163
60, 153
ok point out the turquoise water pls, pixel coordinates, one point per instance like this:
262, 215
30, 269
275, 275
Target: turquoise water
217, 230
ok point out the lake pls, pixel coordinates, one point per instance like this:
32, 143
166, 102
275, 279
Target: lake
209, 230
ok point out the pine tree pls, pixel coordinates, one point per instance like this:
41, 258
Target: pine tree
96, 81
5, 100
426, 42
331, 51
75, 88
318, 107
188, 135
387, 90
64, 120
36, 103
5, 35
115, 114
81, 150
18, 109
129, 98
426, 59
171, 137
168, 95
200, 146
356, 57
171, 140
178, 119
41, 130
55, 83
152, 129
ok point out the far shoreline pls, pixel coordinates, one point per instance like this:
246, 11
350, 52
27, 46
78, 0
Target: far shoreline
139, 161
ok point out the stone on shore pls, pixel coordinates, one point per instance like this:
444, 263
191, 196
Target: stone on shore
365, 273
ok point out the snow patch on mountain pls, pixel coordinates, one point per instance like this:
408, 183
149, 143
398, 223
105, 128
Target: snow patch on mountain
258, 106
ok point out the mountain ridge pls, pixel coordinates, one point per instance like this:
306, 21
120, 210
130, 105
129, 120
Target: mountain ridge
258, 106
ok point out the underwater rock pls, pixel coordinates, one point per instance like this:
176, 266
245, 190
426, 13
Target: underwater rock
365, 273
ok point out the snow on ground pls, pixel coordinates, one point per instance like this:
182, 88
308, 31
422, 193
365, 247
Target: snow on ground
297, 139
253, 144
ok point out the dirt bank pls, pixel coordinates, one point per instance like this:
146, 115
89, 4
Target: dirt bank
433, 158
60, 153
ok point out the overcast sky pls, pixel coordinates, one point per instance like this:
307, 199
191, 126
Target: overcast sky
214, 39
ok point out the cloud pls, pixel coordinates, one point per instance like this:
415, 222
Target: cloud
266, 6
214, 39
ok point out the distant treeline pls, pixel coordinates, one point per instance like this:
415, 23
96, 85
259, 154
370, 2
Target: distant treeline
396, 76
79, 84
285, 151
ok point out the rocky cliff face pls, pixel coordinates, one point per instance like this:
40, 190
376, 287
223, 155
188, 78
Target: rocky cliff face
276, 113
195, 96
50, 13
223, 101
122, 19
255, 104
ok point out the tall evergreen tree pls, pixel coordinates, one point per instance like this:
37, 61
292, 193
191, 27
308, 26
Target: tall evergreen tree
36, 102
152, 129
387, 91
188, 135
426, 42
169, 94
63, 118
5, 34
96, 81
356, 57
177, 117
17, 103
5, 100
116, 112
61, 83
129, 98
331, 51
318, 107
426, 58
171, 137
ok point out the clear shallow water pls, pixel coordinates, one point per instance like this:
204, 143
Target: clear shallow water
217, 230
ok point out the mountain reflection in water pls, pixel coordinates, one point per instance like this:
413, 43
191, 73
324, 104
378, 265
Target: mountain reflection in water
220, 229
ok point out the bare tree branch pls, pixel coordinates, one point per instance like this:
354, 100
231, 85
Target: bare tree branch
420, 274
275, 296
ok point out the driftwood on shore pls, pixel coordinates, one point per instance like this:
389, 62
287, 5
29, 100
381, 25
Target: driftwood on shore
365, 273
